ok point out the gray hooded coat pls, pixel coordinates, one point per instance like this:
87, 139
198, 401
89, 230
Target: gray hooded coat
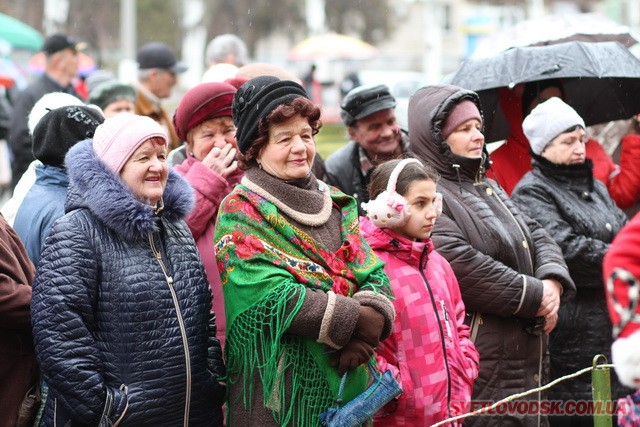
499, 256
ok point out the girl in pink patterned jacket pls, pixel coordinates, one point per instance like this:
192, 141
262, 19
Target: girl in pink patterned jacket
429, 349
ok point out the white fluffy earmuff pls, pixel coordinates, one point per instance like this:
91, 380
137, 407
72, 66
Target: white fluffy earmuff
389, 209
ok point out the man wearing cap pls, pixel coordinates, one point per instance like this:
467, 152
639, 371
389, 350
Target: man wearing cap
61, 52
157, 70
369, 114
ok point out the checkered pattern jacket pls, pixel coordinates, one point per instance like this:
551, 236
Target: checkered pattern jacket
429, 349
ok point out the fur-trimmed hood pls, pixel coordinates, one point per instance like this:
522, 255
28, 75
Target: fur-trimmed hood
95, 187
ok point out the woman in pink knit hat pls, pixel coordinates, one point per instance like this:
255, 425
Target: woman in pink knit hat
121, 309
203, 121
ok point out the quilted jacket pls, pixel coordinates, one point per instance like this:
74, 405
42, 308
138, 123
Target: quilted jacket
499, 255
577, 211
121, 308
343, 170
513, 159
429, 350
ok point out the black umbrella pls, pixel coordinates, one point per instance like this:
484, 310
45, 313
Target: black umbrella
601, 81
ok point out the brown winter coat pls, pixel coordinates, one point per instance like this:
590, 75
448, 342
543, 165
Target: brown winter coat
146, 107
498, 254
18, 370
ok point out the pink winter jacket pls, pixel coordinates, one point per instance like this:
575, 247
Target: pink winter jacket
429, 349
209, 189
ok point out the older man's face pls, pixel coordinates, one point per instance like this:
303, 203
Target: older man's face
160, 82
65, 62
378, 134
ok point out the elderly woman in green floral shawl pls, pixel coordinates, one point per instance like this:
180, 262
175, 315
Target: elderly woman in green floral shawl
306, 299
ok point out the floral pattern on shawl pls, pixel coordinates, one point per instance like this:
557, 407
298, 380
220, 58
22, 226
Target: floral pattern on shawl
264, 261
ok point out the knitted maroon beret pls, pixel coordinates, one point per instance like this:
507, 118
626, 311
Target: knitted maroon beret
465, 110
203, 102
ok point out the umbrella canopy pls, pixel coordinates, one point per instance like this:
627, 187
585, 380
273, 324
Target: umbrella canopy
331, 46
18, 34
601, 81
86, 65
554, 29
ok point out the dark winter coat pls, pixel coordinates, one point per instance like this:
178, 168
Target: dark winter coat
121, 308
41, 207
577, 211
343, 170
498, 254
345, 173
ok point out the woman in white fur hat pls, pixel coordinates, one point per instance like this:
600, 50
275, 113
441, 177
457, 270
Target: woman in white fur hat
562, 195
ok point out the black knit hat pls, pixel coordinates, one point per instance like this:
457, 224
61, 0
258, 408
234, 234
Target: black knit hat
256, 99
60, 129
363, 101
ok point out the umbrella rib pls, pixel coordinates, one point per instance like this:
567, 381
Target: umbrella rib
593, 59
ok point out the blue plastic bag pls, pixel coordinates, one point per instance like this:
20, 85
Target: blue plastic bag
364, 406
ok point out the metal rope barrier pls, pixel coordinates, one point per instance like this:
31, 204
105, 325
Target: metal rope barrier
519, 395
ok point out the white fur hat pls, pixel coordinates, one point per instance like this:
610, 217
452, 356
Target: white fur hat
548, 120
49, 102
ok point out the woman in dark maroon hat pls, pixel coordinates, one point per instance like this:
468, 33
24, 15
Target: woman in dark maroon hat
203, 121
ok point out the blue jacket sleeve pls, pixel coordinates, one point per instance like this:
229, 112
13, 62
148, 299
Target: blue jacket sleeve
64, 293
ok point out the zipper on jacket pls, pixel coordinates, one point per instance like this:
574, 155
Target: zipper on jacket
476, 321
446, 318
183, 331
442, 342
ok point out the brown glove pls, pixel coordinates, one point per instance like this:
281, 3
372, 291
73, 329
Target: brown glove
369, 326
352, 355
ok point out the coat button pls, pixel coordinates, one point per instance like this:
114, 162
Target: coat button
535, 377
489, 191
608, 227
525, 244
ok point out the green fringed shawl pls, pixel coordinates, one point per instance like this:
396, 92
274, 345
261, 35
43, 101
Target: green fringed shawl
264, 262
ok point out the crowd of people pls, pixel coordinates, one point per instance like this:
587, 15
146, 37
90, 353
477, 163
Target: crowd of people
209, 268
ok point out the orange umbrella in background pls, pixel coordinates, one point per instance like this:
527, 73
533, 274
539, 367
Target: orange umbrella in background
86, 65
331, 46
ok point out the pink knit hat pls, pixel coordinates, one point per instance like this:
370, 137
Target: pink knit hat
120, 136
465, 110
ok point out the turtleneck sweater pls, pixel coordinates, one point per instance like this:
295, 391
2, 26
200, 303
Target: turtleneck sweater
305, 203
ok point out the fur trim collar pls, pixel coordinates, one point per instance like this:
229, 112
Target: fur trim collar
94, 187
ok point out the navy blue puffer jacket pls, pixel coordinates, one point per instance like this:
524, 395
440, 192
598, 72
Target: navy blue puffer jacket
117, 336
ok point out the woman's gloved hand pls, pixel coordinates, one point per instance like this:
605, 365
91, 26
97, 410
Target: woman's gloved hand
352, 355
369, 326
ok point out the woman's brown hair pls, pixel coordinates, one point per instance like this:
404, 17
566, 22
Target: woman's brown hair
410, 172
298, 106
